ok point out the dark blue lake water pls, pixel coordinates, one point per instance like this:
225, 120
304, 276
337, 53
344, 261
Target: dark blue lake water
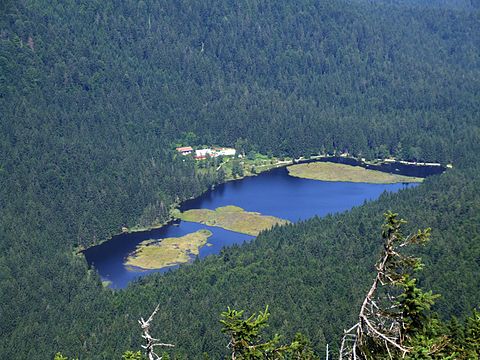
272, 193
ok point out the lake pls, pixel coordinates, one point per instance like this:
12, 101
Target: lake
270, 193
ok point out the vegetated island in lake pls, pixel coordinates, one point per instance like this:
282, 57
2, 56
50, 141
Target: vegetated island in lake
233, 218
157, 254
328, 171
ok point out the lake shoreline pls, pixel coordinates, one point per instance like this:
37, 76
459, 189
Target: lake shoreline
343, 159
274, 194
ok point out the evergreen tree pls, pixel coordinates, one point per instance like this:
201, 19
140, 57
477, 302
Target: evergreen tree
246, 341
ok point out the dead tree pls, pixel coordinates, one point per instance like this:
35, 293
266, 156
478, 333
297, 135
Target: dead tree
151, 342
381, 325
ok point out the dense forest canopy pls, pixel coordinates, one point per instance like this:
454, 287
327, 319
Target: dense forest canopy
94, 95
467, 5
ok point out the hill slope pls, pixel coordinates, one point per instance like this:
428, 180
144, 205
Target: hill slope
95, 95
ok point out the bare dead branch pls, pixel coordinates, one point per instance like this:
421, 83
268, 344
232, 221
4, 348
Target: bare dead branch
380, 319
151, 342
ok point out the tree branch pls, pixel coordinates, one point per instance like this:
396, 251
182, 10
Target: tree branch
151, 342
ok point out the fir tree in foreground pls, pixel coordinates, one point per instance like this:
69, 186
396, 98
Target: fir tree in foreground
246, 340
395, 320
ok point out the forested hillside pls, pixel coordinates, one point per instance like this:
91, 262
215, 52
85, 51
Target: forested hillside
465, 5
314, 275
94, 95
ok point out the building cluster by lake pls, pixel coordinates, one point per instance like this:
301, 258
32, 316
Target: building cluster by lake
202, 154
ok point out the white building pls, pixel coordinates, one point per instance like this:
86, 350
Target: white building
225, 152
203, 153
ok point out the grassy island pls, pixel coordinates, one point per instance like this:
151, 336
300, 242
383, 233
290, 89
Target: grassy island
327, 171
157, 254
233, 218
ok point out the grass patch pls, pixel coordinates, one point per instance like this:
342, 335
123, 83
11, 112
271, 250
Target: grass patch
233, 218
327, 171
157, 254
